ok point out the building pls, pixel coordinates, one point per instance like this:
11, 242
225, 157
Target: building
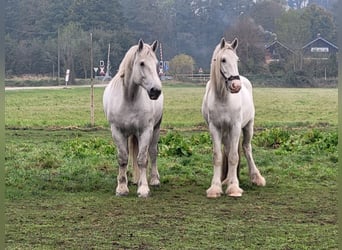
319, 49
277, 52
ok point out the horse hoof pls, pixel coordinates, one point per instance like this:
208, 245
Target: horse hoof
235, 195
213, 196
143, 195
234, 191
155, 182
214, 192
121, 194
122, 191
143, 192
258, 180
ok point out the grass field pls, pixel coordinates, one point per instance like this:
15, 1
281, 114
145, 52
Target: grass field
61, 176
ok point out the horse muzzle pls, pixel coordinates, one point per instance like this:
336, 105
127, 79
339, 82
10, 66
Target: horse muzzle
234, 87
233, 83
154, 93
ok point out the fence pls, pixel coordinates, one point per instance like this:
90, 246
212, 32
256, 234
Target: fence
198, 78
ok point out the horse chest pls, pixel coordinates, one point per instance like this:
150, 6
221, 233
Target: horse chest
224, 112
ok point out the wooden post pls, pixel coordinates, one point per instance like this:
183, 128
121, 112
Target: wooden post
92, 122
58, 57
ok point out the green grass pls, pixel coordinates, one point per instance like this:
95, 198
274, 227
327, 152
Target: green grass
182, 107
61, 176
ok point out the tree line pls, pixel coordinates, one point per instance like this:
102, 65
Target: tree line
39, 33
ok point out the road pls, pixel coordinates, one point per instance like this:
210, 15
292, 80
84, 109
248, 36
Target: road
55, 87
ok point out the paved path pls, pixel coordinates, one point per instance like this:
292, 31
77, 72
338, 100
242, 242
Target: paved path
55, 87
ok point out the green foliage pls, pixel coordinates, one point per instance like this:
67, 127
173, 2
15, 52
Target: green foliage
298, 78
93, 147
321, 22
182, 64
272, 138
312, 141
174, 144
277, 68
292, 24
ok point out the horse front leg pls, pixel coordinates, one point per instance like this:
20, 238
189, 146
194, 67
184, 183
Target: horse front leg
122, 149
232, 144
142, 160
215, 189
254, 173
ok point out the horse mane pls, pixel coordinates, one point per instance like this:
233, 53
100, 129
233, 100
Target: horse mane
215, 74
126, 64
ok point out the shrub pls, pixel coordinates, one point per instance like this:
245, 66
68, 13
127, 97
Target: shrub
173, 144
182, 64
298, 79
92, 147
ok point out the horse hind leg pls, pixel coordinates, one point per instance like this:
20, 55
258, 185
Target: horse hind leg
254, 173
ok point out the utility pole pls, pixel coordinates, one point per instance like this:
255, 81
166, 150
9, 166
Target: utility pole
92, 122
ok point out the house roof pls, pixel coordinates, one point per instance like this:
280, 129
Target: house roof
277, 42
322, 39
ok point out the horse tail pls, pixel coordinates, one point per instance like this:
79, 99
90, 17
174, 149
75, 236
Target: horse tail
225, 166
224, 169
133, 154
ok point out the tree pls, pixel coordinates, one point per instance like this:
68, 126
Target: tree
292, 29
265, 13
251, 43
72, 39
94, 14
182, 64
320, 22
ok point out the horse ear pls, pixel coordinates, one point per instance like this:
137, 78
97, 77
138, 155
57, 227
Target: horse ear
223, 43
154, 45
235, 43
140, 45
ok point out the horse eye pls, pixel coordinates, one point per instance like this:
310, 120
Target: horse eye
223, 60
142, 64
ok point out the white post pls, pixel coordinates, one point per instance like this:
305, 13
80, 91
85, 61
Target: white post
325, 73
67, 74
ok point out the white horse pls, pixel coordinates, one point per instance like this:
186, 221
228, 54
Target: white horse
133, 105
227, 108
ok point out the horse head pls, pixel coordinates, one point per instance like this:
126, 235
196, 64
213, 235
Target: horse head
144, 70
227, 64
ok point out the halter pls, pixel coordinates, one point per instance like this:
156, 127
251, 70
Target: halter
227, 79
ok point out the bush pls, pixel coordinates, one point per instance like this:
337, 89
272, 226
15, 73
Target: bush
299, 79
173, 144
182, 64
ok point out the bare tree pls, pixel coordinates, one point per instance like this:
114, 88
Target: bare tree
251, 41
